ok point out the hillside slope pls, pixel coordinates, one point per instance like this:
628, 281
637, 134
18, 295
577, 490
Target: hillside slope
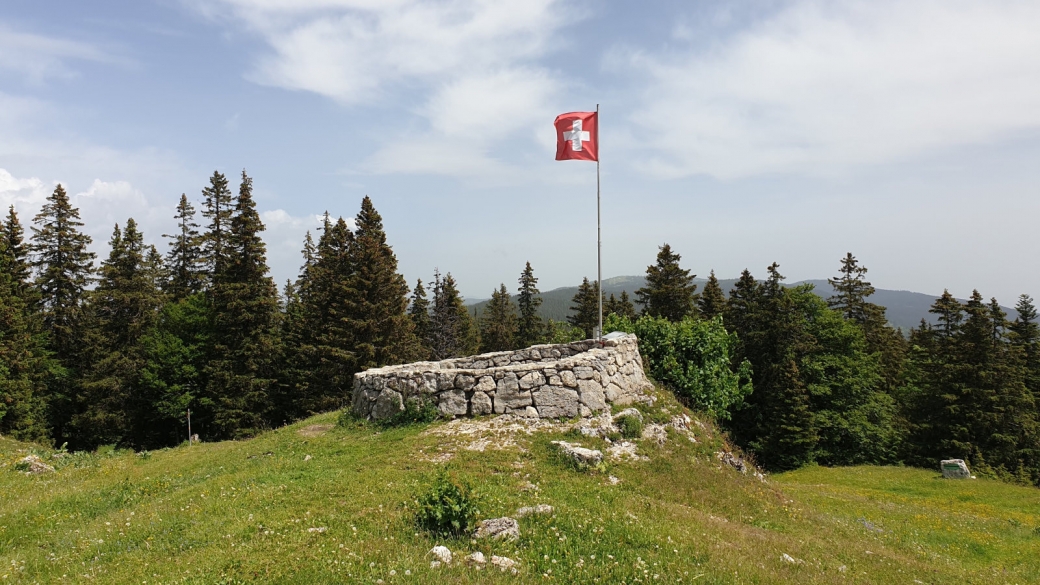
318, 503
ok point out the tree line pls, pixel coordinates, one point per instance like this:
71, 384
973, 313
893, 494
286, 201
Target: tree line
117, 353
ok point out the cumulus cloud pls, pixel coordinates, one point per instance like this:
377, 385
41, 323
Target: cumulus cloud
824, 86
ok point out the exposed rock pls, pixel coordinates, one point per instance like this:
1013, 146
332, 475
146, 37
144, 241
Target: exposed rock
599, 426
388, 404
681, 422
534, 510
580, 455
503, 563
625, 450
441, 553
480, 404
33, 465
591, 395
476, 559
630, 412
556, 402
655, 433
452, 403
732, 460
504, 528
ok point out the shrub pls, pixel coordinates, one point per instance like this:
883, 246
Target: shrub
448, 508
630, 426
693, 358
416, 411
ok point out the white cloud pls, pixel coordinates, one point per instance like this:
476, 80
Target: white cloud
823, 87
39, 57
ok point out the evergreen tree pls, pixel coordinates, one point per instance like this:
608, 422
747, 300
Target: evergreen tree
23, 360
453, 333
245, 309
123, 308
530, 329
63, 267
742, 307
585, 308
378, 310
184, 259
498, 324
622, 307
218, 208
419, 312
669, 290
1025, 336
14, 255
712, 302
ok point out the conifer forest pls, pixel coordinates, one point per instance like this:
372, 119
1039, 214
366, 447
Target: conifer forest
116, 350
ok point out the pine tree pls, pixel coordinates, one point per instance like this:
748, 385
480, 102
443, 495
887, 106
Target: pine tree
123, 308
419, 312
218, 207
23, 361
712, 301
498, 324
14, 258
669, 290
742, 307
245, 348
530, 329
585, 308
63, 267
622, 307
378, 316
1025, 335
453, 333
185, 256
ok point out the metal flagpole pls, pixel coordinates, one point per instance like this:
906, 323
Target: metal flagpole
599, 236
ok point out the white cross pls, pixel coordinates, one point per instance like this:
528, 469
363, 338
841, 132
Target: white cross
576, 136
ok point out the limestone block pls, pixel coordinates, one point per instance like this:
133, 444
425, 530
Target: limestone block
591, 395
480, 404
509, 395
613, 393
501, 360
465, 382
531, 380
555, 380
955, 469
452, 403
505, 528
387, 404
445, 380
534, 354
611, 369
568, 378
486, 384
583, 372
556, 402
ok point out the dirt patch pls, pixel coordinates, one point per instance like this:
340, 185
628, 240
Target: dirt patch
314, 430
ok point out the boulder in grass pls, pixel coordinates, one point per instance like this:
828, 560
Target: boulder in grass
442, 554
533, 510
503, 563
33, 465
504, 528
955, 469
580, 455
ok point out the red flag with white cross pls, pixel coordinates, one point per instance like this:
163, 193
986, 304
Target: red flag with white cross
577, 136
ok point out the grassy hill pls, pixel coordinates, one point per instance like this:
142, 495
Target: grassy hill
905, 309
317, 503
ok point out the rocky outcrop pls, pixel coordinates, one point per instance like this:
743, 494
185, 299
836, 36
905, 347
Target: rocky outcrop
504, 528
547, 381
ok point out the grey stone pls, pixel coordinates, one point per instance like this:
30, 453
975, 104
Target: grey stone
452, 403
532, 380
504, 528
387, 404
465, 382
568, 378
534, 510
634, 412
556, 402
954, 469
480, 404
33, 465
583, 372
486, 384
580, 455
445, 381
441, 553
508, 395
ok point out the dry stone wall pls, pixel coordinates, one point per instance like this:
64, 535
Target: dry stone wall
547, 381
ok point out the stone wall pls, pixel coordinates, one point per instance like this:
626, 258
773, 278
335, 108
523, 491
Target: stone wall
548, 381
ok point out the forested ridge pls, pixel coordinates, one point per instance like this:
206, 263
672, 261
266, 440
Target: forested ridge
117, 351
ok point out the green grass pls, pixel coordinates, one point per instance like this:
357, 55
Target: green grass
239, 512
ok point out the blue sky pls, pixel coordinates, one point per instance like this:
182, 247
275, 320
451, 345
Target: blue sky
741, 133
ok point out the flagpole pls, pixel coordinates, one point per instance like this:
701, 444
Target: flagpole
599, 235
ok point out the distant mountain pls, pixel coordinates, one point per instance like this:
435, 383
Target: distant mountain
905, 309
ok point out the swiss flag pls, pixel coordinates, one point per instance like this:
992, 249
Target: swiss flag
577, 136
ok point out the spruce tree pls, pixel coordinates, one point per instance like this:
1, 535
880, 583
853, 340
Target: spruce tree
498, 323
63, 266
585, 308
24, 364
184, 259
245, 347
453, 333
530, 329
712, 301
123, 309
378, 311
622, 307
669, 290
14, 254
218, 208
1025, 335
419, 312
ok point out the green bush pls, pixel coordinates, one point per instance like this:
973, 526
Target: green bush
415, 411
630, 426
448, 508
692, 357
